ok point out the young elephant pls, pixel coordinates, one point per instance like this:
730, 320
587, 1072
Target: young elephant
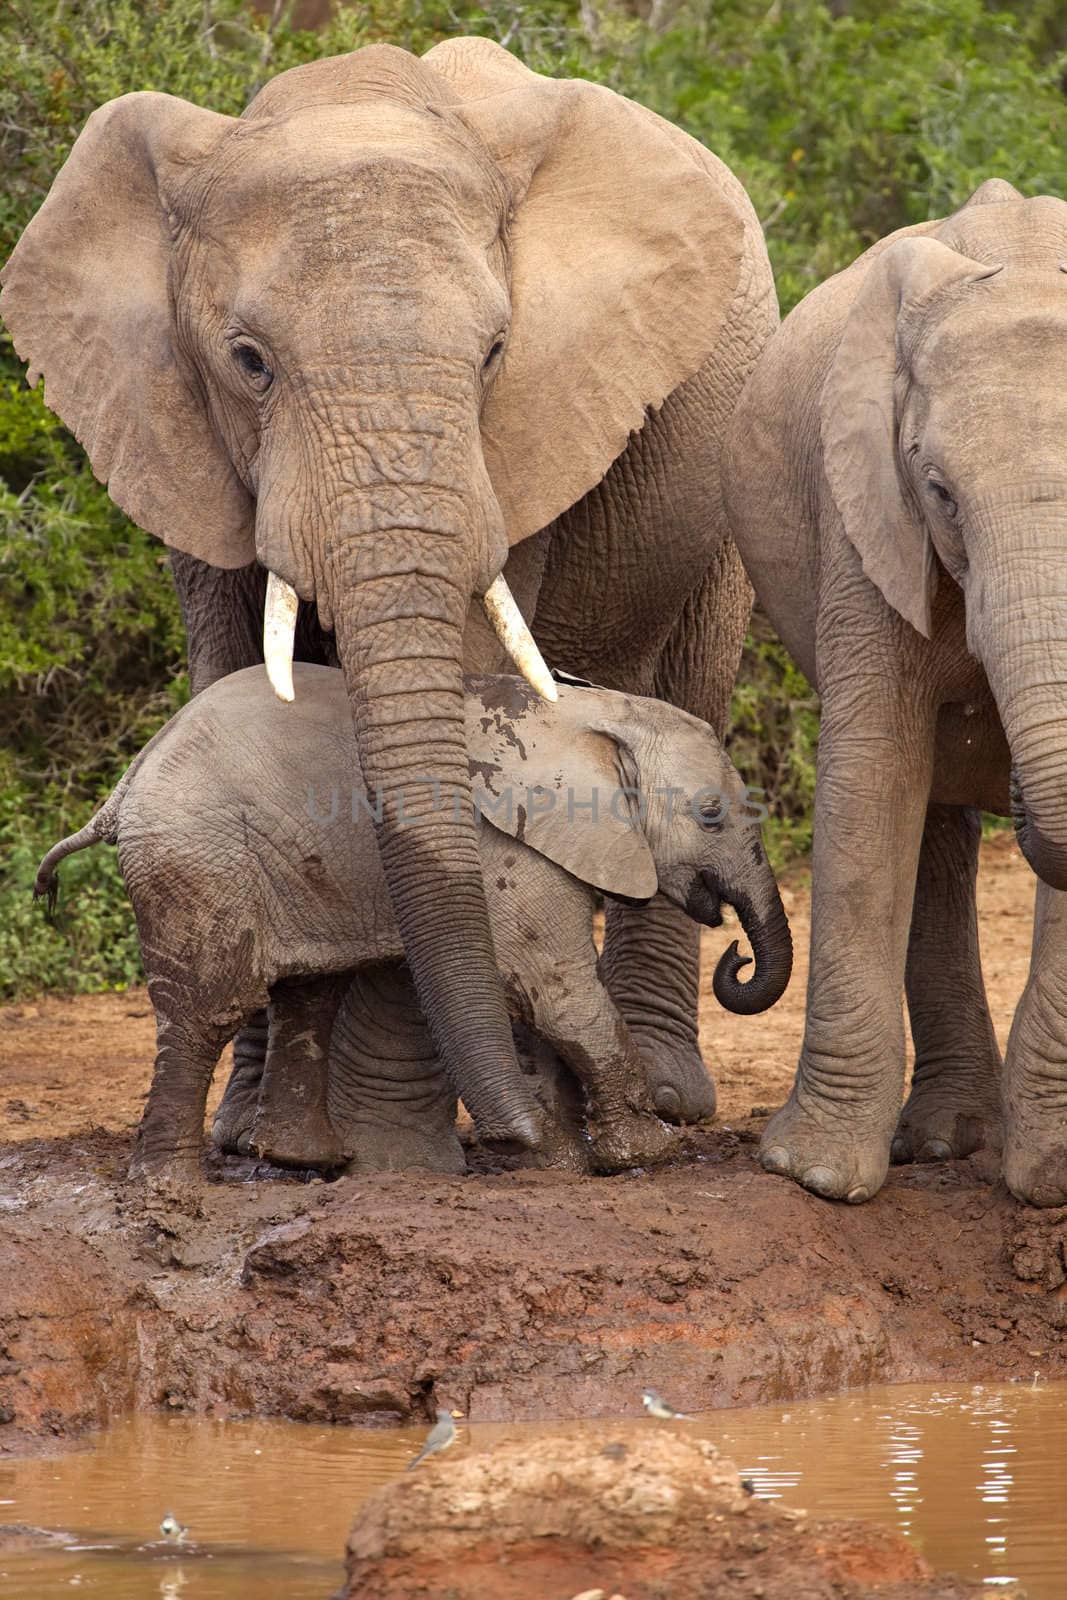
247, 842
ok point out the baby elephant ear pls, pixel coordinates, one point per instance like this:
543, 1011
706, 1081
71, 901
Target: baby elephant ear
626, 242
87, 298
859, 420
543, 775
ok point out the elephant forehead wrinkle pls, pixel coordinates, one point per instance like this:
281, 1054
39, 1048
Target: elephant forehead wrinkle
388, 416
326, 184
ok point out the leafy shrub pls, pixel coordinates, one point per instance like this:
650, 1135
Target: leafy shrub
844, 121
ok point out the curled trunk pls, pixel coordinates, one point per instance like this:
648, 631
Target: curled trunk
767, 930
762, 915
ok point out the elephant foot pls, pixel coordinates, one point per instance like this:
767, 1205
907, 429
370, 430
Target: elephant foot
834, 1161
945, 1122
633, 1140
564, 1145
235, 1118
1035, 1160
168, 1180
231, 1130
309, 1142
382, 1147
681, 1086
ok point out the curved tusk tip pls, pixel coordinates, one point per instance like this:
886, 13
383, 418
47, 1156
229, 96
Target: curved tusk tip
281, 682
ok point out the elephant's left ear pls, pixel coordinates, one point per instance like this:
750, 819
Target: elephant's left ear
547, 775
626, 246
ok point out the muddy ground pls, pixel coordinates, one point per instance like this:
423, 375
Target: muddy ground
509, 1295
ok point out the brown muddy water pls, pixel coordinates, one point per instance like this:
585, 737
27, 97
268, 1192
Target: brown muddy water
975, 1476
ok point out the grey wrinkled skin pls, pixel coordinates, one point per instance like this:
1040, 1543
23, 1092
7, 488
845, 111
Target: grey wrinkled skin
256, 881
407, 322
896, 479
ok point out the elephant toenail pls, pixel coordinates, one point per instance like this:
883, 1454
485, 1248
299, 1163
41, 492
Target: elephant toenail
901, 1150
667, 1102
776, 1159
935, 1150
857, 1196
821, 1181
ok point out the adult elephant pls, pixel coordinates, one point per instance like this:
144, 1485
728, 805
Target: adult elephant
401, 317
897, 484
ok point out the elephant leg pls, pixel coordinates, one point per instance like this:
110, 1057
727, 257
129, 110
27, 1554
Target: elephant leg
222, 611
651, 967
876, 746
1035, 1066
953, 1108
232, 1125
575, 1015
564, 1142
171, 1133
290, 1124
652, 957
389, 1098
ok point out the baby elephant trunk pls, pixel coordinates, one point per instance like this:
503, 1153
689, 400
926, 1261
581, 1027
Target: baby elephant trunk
763, 918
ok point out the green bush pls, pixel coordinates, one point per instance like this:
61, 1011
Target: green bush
843, 121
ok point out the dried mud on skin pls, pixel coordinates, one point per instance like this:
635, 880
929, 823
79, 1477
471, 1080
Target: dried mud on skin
649, 1516
519, 1295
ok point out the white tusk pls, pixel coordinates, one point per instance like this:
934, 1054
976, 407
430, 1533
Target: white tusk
279, 633
518, 641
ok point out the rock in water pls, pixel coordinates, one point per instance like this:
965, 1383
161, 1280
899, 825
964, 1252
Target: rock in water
661, 1513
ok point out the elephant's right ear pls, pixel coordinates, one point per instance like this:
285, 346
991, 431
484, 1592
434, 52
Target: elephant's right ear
86, 296
859, 418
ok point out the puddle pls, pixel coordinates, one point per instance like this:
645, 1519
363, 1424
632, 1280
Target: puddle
975, 1476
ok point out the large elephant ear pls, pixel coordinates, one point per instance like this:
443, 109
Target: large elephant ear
87, 300
626, 247
859, 418
550, 777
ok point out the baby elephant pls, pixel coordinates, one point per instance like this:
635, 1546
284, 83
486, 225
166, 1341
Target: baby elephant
248, 845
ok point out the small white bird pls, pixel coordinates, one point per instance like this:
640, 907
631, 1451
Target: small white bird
656, 1406
172, 1529
440, 1437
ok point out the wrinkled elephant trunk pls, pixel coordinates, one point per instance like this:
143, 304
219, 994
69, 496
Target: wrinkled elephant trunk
762, 915
1046, 859
400, 601
1017, 626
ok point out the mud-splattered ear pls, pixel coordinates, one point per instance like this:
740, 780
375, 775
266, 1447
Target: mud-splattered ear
625, 257
548, 777
859, 419
87, 299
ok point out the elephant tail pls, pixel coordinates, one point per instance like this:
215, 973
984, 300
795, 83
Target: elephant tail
101, 828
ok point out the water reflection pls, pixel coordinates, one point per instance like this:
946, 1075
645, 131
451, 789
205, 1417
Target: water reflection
976, 1477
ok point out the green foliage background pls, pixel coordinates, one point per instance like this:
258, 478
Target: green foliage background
844, 121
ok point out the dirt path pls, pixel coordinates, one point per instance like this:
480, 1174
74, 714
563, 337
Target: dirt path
512, 1294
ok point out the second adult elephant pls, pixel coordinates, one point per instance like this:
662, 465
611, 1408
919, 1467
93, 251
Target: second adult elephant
403, 321
897, 482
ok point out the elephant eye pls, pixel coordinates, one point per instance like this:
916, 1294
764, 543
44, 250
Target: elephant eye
943, 495
495, 352
247, 356
712, 814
